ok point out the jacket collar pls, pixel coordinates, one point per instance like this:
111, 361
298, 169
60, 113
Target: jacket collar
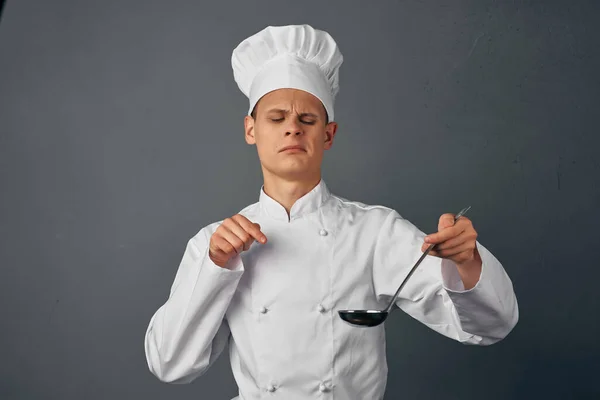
306, 204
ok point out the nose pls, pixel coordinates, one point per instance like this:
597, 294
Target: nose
293, 128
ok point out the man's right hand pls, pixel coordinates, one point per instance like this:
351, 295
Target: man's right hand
234, 235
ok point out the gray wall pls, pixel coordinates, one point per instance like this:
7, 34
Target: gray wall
121, 136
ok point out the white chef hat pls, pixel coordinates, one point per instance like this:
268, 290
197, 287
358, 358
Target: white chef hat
293, 56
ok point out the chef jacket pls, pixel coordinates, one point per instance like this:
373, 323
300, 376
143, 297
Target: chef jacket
275, 306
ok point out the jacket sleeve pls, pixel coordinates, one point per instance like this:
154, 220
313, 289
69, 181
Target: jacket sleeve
435, 295
189, 331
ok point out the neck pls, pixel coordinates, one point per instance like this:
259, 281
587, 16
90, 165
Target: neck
285, 191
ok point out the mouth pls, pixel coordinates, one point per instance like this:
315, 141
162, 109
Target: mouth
291, 149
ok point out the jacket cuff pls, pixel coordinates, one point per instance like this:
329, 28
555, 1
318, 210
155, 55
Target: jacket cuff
489, 308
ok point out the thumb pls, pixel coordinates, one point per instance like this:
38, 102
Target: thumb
446, 221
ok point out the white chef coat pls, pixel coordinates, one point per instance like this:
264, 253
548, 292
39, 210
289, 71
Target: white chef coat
276, 307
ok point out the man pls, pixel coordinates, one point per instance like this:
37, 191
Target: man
269, 280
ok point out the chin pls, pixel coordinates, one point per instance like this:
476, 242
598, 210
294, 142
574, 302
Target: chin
292, 173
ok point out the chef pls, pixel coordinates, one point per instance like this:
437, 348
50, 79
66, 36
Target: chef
267, 282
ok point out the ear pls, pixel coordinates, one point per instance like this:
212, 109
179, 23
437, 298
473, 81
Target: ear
249, 130
330, 131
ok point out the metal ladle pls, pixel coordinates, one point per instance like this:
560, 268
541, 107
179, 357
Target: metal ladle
370, 318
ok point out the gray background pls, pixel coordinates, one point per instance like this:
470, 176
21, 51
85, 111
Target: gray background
122, 135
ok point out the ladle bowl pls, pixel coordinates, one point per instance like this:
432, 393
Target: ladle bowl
363, 317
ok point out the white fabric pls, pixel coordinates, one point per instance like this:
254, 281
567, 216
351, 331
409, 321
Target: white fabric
276, 308
293, 56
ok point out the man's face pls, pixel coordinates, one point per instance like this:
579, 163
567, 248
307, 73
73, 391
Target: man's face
290, 117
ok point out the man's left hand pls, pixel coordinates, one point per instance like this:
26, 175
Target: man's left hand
455, 241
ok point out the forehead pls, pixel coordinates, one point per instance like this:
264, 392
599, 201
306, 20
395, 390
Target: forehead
291, 99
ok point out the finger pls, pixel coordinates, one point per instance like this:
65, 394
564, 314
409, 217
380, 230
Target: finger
460, 258
251, 228
232, 239
445, 221
240, 232
453, 251
445, 234
463, 221
221, 248
465, 236
425, 246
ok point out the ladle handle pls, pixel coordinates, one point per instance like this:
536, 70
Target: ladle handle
393, 301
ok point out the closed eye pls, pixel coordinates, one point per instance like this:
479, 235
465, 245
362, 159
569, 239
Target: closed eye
303, 121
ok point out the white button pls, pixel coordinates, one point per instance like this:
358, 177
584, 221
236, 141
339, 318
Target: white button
323, 388
263, 310
271, 388
323, 232
320, 308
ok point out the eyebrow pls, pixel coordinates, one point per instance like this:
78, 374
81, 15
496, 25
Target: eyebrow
280, 110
